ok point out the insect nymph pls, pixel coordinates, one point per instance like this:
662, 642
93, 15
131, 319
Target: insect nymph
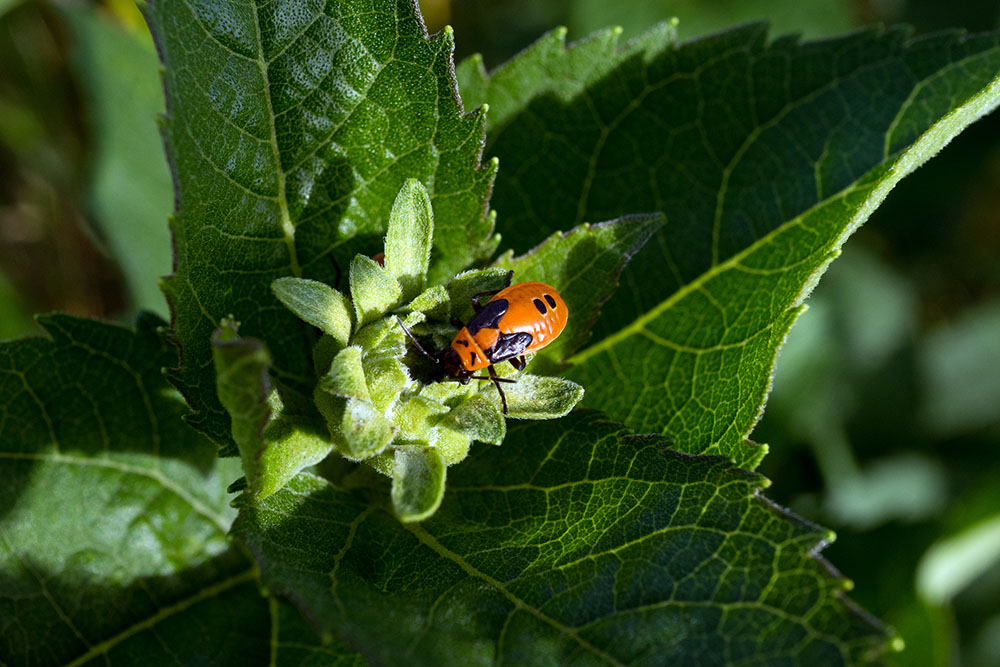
517, 320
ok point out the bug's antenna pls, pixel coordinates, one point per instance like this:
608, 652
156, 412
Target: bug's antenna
419, 346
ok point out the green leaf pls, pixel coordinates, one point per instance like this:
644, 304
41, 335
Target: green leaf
290, 134
479, 418
574, 543
385, 373
583, 265
373, 289
408, 239
817, 18
534, 397
543, 69
114, 516
318, 304
274, 443
107, 498
431, 302
291, 444
293, 642
241, 367
346, 377
764, 158
129, 187
465, 285
343, 398
418, 475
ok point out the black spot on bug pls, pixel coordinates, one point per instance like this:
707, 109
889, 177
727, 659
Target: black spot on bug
539, 305
462, 341
472, 358
552, 302
489, 317
509, 345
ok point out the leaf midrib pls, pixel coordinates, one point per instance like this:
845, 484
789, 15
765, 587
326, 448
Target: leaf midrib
637, 326
287, 227
432, 543
920, 86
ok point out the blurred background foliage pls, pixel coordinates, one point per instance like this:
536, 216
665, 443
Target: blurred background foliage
884, 421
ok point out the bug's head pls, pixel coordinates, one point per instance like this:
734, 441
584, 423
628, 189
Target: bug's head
451, 363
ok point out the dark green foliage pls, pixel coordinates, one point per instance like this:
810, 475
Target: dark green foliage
291, 128
600, 548
763, 156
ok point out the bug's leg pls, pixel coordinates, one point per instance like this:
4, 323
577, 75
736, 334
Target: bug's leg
419, 346
496, 383
518, 362
457, 323
475, 298
476, 306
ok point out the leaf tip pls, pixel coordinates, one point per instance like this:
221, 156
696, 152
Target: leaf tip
227, 331
236, 486
418, 480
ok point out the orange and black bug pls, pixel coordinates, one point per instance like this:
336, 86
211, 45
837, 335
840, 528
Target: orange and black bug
518, 319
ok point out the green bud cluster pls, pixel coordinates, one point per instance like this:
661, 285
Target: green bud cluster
377, 398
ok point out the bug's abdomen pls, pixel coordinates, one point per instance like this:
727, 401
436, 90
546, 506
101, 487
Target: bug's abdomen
534, 308
520, 319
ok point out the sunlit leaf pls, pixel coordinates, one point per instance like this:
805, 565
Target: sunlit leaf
290, 133
764, 156
114, 514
